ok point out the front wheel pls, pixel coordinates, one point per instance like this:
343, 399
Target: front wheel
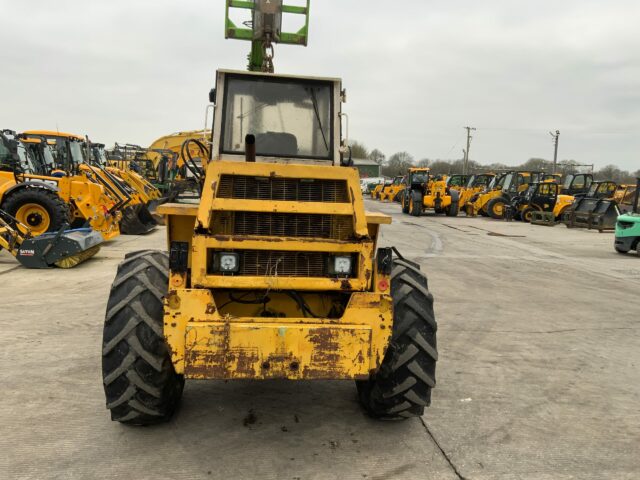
405, 204
140, 383
527, 214
495, 207
40, 209
401, 388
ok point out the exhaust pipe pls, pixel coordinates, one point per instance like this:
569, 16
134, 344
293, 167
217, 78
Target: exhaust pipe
250, 148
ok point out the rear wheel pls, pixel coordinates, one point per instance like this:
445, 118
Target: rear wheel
415, 204
40, 209
621, 250
402, 386
495, 207
452, 211
140, 383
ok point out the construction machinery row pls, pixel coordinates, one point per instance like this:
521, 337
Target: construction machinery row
59, 186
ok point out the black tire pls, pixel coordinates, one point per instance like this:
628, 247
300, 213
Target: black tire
492, 207
453, 209
57, 209
621, 251
402, 386
415, 204
405, 203
140, 383
526, 214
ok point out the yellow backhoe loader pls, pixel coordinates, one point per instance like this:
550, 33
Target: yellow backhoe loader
135, 218
276, 272
46, 195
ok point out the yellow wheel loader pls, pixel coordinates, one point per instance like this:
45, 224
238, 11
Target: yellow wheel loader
541, 198
425, 191
501, 191
45, 195
475, 185
390, 192
375, 193
276, 273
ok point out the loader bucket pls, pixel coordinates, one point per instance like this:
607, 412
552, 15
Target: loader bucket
153, 205
64, 249
593, 213
137, 220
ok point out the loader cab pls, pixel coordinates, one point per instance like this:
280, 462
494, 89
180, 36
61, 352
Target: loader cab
479, 181
577, 184
97, 155
542, 195
41, 155
602, 190
457, 181
273, 118
418, 179
14, 157
67, 149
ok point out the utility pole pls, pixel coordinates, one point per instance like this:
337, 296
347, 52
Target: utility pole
556, 137
465, 166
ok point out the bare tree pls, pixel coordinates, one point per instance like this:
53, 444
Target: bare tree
377, 156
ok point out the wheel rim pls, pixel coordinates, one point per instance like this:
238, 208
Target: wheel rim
411, 204
35, 216
498, 209
527, 216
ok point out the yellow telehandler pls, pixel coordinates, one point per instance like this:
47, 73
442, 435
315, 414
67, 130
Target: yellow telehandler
276, 272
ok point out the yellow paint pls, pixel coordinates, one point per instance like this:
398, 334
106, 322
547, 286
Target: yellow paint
211, 337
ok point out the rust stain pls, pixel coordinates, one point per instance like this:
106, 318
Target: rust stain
345, 285
325, 359
211, 309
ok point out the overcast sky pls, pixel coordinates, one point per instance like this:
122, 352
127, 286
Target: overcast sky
132, 71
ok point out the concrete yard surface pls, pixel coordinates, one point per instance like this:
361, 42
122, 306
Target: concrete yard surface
538, 376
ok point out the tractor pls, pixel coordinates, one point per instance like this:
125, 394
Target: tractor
275, 273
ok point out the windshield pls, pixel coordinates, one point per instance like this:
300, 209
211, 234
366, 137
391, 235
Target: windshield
567, 181
420, 177
288, 118
25, 161
98, 155
76, 152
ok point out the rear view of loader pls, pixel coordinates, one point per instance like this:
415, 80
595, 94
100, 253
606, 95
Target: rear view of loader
276, 273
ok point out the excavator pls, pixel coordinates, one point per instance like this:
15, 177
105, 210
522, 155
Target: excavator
275, 273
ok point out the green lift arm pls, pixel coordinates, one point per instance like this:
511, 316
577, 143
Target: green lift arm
265, 28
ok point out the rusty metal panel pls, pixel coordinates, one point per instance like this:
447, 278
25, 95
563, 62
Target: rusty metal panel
206, 344
261, 351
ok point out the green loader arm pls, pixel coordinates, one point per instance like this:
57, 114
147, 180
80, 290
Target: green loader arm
266, 13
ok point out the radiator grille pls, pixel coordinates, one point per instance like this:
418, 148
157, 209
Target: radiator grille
245, 187
333, 227
261, 263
